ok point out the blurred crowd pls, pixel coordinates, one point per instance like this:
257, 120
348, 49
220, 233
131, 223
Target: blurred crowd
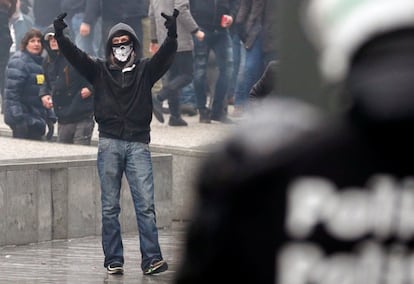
224, 49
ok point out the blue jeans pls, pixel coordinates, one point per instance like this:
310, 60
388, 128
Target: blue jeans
251, 71
116, 157
220, 42
178, 76
238, 52
188, 95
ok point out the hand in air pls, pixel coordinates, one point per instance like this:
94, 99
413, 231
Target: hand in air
171, 23
59, 24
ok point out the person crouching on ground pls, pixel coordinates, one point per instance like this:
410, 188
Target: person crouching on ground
123, 112
23, 109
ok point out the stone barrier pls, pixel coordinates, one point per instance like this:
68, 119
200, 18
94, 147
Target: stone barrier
50, 198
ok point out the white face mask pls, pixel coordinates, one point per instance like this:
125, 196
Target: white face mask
122, 51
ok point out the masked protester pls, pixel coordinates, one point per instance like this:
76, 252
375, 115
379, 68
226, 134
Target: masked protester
123, 112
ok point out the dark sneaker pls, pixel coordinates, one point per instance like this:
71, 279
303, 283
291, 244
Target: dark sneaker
156, 267
177, 121
223, 119
157, 109
204, 116
115, 268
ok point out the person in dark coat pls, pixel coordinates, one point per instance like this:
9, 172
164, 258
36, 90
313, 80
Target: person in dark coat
68, 93
123, 110
214, 18
44, 11
256, 21
24, 112
82, 18
181, 72
130, 12
7, 9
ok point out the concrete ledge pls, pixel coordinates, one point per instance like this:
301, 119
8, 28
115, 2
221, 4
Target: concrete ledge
185, 167
59, 198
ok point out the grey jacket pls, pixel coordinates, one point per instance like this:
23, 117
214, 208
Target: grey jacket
186, 25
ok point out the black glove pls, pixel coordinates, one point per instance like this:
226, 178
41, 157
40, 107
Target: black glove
59, 24
171, 23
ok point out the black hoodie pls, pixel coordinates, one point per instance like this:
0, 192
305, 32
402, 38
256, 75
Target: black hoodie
123, 99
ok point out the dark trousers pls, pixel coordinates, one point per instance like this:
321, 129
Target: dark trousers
178, 76
220, 43
76, 132
23, 131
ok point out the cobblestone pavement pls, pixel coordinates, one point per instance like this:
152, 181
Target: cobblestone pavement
81, 261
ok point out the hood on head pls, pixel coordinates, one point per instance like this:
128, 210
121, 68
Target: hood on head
124, 28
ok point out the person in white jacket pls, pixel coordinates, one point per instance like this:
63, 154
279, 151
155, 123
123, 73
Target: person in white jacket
180, 73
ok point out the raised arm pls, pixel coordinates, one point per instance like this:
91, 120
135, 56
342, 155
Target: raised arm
164, 57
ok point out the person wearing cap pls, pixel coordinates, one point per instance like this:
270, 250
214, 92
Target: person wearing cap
123, 111
68, 93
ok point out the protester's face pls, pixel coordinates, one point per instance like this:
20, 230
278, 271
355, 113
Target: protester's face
120, 39
34, 46
53, 43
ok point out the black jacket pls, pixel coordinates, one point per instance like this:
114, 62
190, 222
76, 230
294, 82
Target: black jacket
207, 13
123, 100
64, 83
116, 11
45, 11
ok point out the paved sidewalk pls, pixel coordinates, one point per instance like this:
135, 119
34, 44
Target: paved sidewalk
81, 261
195, 135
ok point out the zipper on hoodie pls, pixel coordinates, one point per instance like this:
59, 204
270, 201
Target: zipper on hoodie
123, 71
